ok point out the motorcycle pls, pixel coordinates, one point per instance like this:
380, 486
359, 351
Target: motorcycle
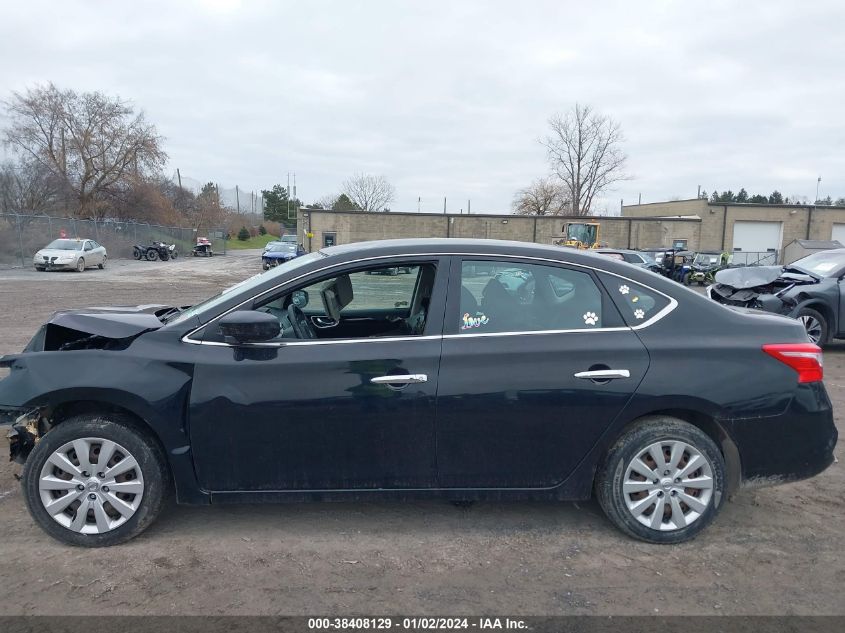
154, 251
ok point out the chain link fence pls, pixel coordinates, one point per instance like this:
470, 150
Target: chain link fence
22, 235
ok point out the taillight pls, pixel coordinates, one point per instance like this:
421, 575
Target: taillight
805, 358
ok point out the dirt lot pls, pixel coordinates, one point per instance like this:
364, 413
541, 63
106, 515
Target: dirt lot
771, 551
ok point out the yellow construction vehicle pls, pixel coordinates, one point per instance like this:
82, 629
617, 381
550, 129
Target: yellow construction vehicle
580, 235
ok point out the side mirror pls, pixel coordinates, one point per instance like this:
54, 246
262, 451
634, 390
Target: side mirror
299, 298
249, 326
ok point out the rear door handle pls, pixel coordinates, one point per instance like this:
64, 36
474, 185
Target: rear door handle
405, 379
604, 374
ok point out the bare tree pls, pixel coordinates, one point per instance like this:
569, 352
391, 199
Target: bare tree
370, 193
26, 187
544, 196
95, 145
584, 150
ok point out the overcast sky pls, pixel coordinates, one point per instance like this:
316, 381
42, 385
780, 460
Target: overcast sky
451, 98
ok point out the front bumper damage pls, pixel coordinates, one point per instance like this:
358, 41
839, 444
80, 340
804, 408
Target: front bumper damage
25, 429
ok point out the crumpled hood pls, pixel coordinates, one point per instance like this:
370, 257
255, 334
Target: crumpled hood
111, 322
748, 276
96, 328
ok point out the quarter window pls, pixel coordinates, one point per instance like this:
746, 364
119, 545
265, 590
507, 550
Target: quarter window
637, 303
517, 297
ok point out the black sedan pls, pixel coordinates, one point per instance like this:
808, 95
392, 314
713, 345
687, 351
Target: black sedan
493, 370
807, 289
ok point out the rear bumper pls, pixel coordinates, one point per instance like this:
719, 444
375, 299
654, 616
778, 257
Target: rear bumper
797, 444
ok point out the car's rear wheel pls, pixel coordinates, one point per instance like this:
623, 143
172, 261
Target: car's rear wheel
662, 481
95, 481
102, 265
815, 325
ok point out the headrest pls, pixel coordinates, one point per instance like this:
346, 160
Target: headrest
336, 295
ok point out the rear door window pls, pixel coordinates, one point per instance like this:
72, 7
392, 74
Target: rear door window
497, 297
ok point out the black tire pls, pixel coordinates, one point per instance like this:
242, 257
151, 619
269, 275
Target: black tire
152, 255
687, 279
174, 254
137, 254
125, 432
807, 316
103, 265
609, 478
80, 265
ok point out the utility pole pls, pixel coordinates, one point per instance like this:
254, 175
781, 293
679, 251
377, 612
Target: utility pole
444, 205
818, 182
237, 200
640, 199
288, 198
469, 207
419, 203
698, 195
179, 177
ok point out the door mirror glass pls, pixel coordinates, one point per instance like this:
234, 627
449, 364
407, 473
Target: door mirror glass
299, 298
249, 326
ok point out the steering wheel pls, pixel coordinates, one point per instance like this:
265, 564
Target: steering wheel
300, 323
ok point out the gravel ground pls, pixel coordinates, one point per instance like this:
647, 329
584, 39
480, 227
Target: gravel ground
771, 551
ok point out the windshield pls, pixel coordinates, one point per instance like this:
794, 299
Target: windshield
648, 257
247, 284
287, 247
824, 264
289, 238
65, 245
706, 259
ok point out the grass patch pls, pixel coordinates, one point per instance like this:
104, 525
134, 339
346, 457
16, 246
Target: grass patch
259, 241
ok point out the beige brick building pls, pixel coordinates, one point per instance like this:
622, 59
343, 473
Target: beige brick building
750, 227
696, 224
339, 227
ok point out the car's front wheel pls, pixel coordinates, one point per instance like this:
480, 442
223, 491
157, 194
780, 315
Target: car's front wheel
80, 265
95, 481
815, 325
662, 481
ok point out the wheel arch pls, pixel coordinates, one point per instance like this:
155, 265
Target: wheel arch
707, 424
169, 438
824, 309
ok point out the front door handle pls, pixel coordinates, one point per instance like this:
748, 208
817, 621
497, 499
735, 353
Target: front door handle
604, 374
405, 379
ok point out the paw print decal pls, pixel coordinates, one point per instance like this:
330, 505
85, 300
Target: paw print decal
639, 314
591, 318
623, 289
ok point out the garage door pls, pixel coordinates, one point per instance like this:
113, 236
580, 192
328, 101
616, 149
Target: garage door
756, 239
838, 233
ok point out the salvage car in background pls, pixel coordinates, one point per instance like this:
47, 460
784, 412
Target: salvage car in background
70, 254
278, 253
493, 370
637, 258
809, 289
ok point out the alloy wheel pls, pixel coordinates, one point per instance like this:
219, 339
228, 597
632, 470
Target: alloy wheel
668, 485
91, 485
813, 328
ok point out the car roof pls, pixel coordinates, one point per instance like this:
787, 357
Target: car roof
616, 250
481, 247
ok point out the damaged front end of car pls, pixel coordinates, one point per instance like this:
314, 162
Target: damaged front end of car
38, 369
769, 288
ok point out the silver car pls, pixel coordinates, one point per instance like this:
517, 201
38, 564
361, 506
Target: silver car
70, 254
